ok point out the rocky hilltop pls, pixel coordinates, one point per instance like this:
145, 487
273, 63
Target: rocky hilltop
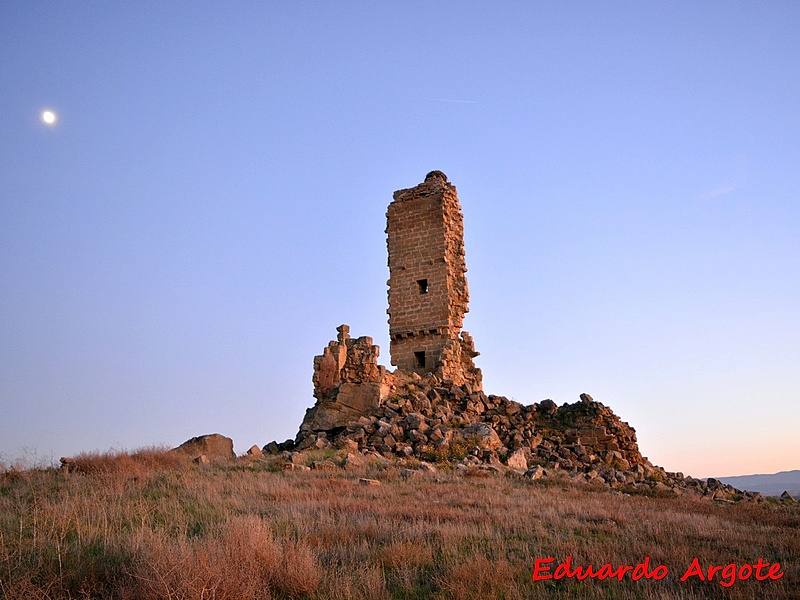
433, 408
407, 414
362, 409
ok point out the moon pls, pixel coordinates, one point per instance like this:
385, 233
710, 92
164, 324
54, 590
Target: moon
48, 117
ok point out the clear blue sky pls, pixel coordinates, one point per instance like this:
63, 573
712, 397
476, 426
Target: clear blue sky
210, 205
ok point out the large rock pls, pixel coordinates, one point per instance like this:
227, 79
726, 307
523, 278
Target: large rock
254, 452
352, 401
536, 472
212, 445
518, 461
547, 407
482, 435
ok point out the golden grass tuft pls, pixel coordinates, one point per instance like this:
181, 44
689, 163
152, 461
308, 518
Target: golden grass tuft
240, 560
140, 462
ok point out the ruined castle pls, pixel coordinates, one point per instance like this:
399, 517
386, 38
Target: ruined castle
432, 407
428, 298
434, 402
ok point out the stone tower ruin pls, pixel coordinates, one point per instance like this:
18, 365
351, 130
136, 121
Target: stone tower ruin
433, 406
428, 292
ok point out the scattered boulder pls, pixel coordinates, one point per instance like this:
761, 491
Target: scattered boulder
294, 467
547, 407
272, 448
323, 465
427, 467
352, 461
295, 458
254, 452
517, 460
348, 445
482, 435
212, 445
535, 473
787, 497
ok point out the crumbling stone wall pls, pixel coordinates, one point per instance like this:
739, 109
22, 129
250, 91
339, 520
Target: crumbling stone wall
346, 360
428, 294
348, 383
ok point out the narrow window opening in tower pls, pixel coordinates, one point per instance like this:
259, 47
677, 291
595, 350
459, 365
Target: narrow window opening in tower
419, 359
423, 286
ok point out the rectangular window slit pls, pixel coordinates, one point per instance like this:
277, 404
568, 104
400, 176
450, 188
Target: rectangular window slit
419, 359
423, 286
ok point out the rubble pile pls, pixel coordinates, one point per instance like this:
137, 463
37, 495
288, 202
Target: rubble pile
402, 415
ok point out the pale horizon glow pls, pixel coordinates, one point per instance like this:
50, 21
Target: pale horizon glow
214, 207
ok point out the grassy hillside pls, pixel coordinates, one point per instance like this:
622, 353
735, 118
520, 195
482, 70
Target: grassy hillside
154, 525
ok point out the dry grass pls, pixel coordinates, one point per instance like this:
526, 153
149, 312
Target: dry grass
153, 525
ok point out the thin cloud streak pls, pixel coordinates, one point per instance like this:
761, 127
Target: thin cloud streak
718, 192
734, 181
455, 101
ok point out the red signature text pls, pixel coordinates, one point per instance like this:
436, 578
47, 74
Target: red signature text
725, 575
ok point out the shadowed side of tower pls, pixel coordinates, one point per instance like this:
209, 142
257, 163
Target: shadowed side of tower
428, 292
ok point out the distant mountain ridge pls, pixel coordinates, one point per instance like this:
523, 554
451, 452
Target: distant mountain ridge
769, 485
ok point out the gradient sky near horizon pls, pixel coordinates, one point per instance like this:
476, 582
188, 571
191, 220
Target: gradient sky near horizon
210, 204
